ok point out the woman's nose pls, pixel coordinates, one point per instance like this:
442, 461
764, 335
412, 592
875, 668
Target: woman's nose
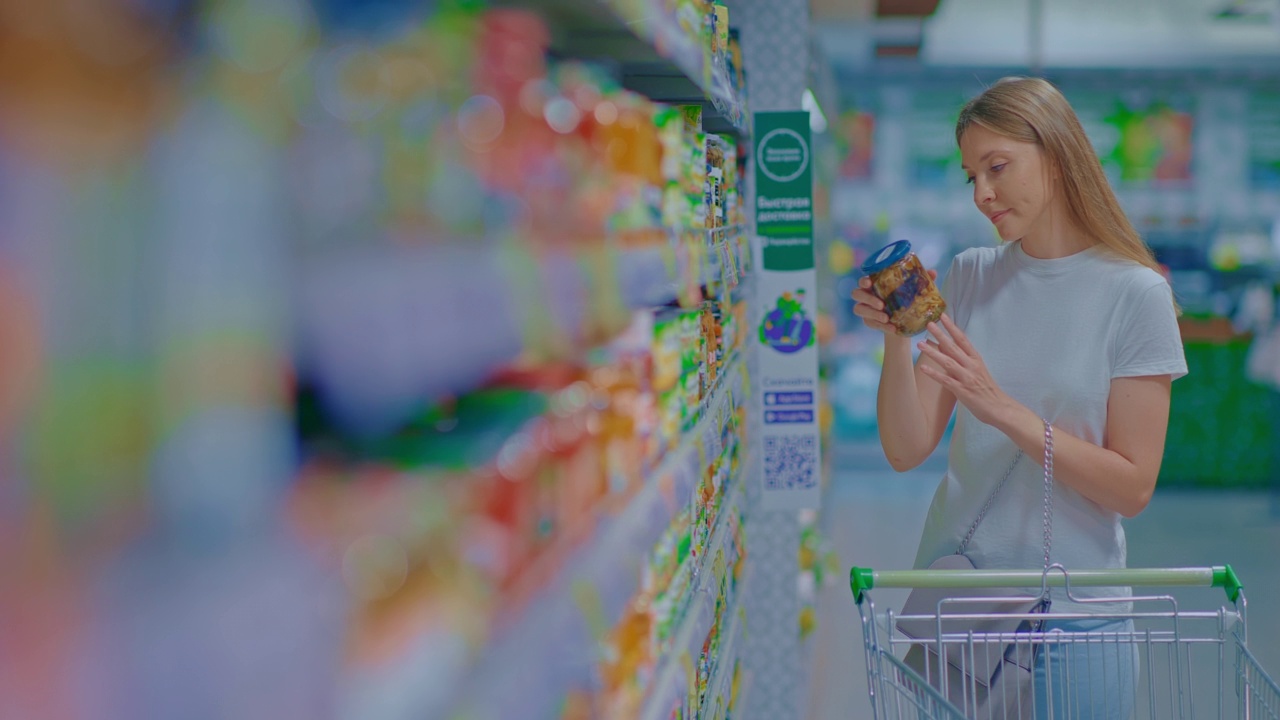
983, 193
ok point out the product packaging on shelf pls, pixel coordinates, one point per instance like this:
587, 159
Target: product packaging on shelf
458, 520
485, 496
388, 253
693, 17
699, 555
690, 348
721, 159
727, 572
482, 499
696, 179
684, 166
720, 24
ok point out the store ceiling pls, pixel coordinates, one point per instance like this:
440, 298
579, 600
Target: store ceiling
1076, 34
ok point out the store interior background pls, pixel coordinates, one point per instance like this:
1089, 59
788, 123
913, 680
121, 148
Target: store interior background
1180, 101
1189, 138
206, 205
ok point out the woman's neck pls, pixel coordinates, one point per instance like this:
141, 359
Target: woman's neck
1055, 236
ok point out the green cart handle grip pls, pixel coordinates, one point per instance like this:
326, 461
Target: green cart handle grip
1222, 576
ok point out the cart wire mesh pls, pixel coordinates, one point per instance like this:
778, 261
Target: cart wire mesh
1259, 695
1153, 660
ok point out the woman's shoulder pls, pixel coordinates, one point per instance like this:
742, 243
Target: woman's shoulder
1125, 274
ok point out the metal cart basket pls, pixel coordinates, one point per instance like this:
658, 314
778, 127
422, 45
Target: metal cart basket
1185, 663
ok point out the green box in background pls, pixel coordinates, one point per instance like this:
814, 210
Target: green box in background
1223, 429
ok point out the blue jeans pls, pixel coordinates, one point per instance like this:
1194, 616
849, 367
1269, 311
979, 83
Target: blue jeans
1087, 680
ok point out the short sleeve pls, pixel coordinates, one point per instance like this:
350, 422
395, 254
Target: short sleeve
949, 286
1148, 340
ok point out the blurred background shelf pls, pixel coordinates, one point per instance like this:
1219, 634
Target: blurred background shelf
651, 53
671, 677
384, 329
719, 698
353, 355
548, 646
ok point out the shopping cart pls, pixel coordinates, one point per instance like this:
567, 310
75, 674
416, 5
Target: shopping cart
1182, 656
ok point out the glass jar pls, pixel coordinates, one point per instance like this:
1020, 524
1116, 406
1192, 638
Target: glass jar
911, 299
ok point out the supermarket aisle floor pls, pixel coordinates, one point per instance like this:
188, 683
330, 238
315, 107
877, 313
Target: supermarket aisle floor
874, 519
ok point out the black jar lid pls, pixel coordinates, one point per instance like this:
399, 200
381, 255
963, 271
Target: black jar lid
886, 256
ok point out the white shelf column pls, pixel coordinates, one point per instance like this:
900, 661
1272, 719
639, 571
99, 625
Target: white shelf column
775, 48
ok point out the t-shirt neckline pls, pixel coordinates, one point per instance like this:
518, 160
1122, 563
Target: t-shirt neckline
1053, 266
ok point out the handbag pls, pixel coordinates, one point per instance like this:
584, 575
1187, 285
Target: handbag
983, 684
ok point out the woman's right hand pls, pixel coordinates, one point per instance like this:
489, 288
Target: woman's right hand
871, 308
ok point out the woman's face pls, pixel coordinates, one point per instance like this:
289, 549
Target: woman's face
1011, 185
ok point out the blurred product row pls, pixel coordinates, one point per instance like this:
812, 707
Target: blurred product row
370, 364
599, 485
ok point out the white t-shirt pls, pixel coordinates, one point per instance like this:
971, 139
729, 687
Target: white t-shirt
1053, 333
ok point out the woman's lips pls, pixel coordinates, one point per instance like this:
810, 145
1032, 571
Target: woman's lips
998, 216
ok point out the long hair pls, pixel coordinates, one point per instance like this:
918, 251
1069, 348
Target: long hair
1033, 110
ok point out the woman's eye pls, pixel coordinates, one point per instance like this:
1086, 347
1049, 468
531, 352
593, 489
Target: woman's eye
998, 168
969, 180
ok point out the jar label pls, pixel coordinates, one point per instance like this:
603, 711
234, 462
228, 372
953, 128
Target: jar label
905, 294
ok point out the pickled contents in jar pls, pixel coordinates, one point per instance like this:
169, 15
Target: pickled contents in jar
911, 300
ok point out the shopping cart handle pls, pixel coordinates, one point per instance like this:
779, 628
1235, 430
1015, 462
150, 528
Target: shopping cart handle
861, 580
1222, 576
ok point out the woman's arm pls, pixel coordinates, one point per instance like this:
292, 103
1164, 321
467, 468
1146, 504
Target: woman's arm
1120, 475
912, 408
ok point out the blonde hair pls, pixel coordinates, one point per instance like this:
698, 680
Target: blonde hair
1033, 110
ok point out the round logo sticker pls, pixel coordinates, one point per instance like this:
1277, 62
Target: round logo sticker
783, 155
787, 327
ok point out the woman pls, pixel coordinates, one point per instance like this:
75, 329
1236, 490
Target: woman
1067, 320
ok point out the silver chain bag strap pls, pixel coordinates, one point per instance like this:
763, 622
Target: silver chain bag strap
1048, 497
984, 685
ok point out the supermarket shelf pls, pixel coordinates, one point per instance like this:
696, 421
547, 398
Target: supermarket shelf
665, 83
720, 687
729, 254
652, 276
662, 32
654, 56
382, 329
591, 594
671, 679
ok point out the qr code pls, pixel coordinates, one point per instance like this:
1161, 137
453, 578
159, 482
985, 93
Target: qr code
790, 462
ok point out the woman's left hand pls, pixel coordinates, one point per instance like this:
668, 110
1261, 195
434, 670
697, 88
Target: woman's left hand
958, 367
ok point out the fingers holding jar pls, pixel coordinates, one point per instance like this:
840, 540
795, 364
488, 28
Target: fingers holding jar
871, 308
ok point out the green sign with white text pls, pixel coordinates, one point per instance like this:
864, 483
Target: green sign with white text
784, 189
